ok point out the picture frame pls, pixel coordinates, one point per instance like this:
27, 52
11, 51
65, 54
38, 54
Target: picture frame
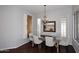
49, 26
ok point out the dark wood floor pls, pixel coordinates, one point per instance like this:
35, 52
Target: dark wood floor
27, 48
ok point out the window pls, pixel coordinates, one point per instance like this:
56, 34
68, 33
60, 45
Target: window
38, 26
63, 28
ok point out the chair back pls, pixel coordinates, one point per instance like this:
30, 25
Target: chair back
49, 41
36, 39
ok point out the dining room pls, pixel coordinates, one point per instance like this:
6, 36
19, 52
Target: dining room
39, 29
49, 29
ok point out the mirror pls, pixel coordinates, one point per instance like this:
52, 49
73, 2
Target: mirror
49, 26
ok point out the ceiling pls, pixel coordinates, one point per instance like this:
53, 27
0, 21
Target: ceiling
36, 9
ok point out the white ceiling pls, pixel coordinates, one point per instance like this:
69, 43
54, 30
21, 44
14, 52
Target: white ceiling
36, 9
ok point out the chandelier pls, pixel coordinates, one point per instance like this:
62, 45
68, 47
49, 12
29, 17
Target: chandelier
45, 19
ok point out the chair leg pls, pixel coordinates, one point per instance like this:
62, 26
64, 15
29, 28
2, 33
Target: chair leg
39, 46
57, 47
32, 44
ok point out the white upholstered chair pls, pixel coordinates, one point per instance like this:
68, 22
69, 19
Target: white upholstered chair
49, 41
31, 36
37, 40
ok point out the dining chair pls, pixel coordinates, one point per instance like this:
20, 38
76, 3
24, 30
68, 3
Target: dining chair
50, 42
31, 38
37, 40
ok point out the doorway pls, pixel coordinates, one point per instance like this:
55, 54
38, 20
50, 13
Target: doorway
29, 25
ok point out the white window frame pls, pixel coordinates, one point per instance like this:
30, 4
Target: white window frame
63, 27
38, 26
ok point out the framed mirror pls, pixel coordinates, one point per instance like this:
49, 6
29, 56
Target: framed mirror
49, 26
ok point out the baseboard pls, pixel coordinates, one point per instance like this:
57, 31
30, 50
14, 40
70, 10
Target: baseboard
7, 49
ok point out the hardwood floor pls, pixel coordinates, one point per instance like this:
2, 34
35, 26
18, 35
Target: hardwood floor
27, 48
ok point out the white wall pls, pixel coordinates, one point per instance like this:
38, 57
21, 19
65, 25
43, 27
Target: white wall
34, 25
75, 41
12, 27
57, 15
